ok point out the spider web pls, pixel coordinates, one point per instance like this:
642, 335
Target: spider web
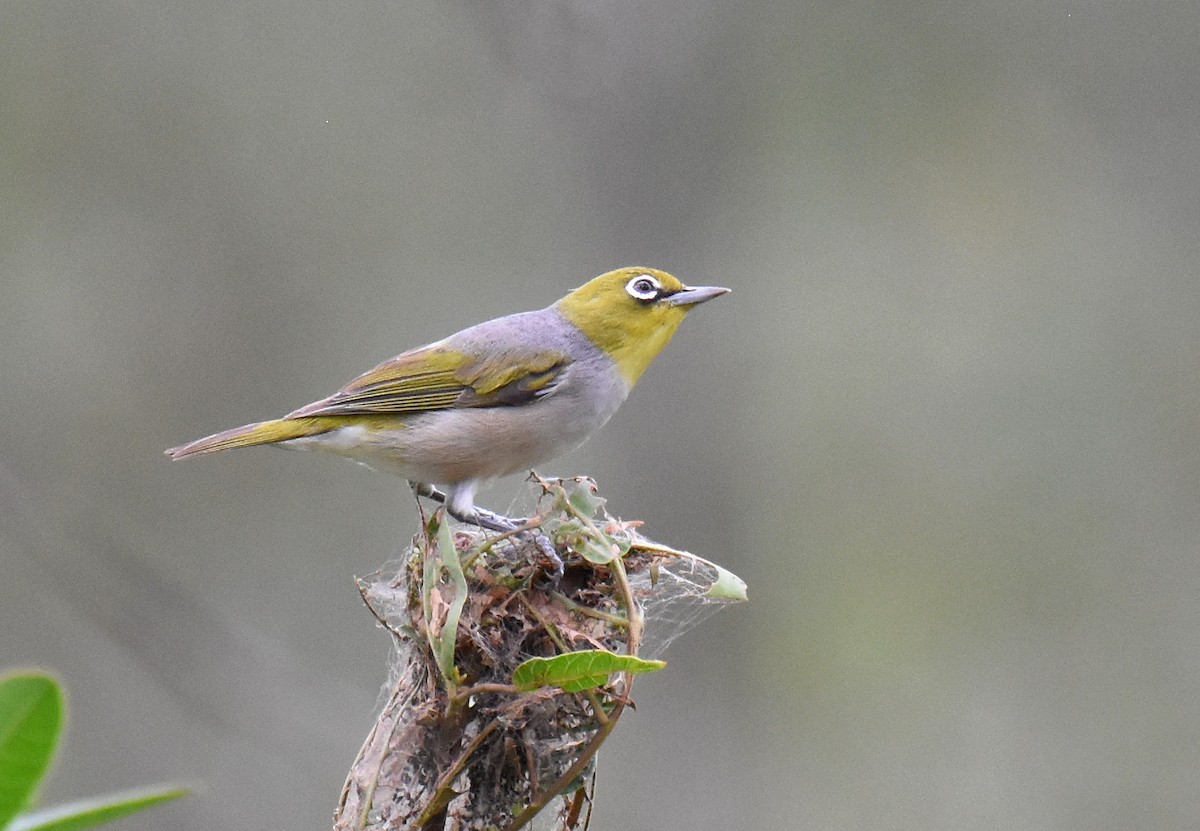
679, 591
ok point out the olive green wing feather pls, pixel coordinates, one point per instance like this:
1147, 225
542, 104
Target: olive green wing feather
438, 377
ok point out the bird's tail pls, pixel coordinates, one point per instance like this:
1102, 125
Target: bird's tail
262, 432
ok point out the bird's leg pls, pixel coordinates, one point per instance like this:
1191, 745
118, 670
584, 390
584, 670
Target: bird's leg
492, 522
475, 516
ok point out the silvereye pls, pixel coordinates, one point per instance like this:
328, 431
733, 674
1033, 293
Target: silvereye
493, 399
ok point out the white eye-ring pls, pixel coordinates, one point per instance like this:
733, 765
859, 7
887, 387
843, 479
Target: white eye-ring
643, 287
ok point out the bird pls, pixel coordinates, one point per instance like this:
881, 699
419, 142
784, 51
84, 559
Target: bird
493, 399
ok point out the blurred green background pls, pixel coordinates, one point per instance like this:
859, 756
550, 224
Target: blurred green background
946, 425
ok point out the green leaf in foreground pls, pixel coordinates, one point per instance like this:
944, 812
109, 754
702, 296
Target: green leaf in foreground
576, 671
88, 813
31, 716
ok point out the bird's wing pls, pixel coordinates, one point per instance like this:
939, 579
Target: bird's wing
438, 377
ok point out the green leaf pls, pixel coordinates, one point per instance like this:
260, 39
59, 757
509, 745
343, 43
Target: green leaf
562, 530
31, 716
449, 634
728, 586
576, 671
441, 555
585, 500
599, 550
87, 813
575, 535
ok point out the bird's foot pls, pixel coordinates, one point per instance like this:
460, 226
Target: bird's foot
492, 521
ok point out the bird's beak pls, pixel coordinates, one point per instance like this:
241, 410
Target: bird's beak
688, 296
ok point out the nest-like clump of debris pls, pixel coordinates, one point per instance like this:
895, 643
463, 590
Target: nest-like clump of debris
505, 683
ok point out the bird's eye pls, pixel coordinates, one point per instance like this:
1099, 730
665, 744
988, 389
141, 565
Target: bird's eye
644, 288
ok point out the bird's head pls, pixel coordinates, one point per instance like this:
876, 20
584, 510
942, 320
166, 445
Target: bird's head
631, 313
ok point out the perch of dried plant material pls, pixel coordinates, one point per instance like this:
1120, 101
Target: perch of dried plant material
458, 747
